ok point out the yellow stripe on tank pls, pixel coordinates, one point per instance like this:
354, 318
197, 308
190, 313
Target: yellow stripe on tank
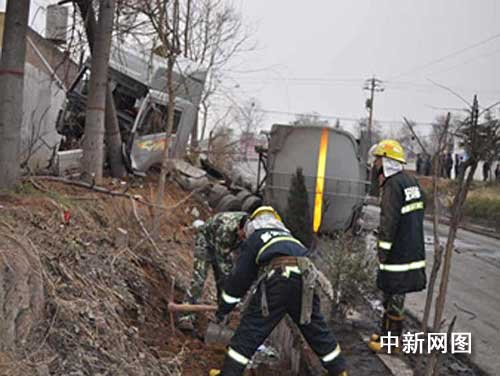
320, 180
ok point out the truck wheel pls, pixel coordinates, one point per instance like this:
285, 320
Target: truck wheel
216, 194
243, 195
251, 203
228, 203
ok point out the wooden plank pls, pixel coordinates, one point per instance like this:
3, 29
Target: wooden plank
394, 363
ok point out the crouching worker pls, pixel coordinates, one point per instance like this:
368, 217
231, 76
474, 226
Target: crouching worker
401, 250
216, 243
285, 281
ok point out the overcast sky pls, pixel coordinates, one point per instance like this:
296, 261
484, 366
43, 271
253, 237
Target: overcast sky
314, 56
322, 50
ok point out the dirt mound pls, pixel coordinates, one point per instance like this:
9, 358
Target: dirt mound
104, 308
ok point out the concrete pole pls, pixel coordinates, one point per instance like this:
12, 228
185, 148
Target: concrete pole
11, 90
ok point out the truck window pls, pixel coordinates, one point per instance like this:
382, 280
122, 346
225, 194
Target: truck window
156, 121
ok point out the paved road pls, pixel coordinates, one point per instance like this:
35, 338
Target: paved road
473, 292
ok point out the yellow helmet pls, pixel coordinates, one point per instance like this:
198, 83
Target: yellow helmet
390, 149
265, 209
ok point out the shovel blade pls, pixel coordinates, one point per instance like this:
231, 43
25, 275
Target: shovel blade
218, 334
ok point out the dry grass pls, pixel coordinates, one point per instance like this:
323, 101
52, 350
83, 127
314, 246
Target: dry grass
484, 204
105, 310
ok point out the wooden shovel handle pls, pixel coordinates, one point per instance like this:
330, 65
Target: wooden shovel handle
173, 307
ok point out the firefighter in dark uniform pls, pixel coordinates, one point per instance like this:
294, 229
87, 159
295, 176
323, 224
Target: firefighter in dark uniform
400, 246
275, 263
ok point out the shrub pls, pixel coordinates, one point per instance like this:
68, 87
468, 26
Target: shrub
298, 217
351, 269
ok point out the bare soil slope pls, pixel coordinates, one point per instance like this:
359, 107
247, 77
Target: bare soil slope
80, 303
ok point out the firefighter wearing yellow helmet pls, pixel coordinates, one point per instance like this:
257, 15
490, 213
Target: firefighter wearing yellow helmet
400, 245
274, 262
391, 149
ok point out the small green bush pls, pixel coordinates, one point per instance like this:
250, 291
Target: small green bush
351, 269
297, 216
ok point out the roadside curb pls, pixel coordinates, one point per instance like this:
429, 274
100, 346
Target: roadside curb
481, 230
445, 220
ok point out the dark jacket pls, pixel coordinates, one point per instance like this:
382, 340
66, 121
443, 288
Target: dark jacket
401, 236
258, 250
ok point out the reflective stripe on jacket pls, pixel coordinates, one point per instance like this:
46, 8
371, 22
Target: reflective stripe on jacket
260, 248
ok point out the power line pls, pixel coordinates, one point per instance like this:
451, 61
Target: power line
450, 55
466, 62
329, 116
295, 78
349, 83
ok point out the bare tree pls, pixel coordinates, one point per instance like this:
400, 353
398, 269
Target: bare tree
11, 89
170, 44
443, 124
164, 22
112, 128
310, 119
218, 37
249, 118
478, 139
93, 158
222, 148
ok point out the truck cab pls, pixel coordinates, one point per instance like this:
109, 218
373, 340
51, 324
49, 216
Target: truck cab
140, 93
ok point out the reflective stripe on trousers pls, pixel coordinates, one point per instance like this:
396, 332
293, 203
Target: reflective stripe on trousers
236, 356
385, 245
402, 267
229, 299
331, 356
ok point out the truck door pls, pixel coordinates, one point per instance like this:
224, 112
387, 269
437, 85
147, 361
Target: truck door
148, 136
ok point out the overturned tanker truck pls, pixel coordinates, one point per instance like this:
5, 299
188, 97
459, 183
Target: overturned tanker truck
335, 176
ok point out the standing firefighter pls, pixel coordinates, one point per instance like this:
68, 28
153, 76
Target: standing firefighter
285, 281
216, 242
401, 251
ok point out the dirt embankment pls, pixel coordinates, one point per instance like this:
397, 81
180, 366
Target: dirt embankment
79, 300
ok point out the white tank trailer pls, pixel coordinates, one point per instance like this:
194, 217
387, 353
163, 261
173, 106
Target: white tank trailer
335, 175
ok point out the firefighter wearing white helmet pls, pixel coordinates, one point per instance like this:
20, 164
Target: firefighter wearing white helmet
275, 261
400, 245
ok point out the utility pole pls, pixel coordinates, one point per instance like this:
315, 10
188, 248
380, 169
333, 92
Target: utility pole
373, 85
11, 89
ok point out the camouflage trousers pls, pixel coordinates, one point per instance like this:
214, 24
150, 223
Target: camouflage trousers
206, 256
394, 313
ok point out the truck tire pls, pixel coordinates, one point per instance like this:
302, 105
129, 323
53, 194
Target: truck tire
243, 195
216, 194
251, 203
228, 203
